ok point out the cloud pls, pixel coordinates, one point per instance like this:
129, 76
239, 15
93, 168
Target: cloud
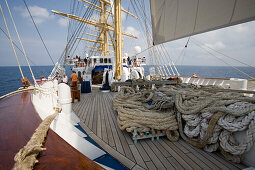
39, 14
240, 28
216, 45
132, 30
63, 22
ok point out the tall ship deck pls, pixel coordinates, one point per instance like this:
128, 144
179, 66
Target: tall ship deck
99, 120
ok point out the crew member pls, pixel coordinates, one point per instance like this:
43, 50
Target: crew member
65, 79
57, 77
74, 78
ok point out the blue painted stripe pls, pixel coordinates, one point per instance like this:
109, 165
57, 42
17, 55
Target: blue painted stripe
105, 159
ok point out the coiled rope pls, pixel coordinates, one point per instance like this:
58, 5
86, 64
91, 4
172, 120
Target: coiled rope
207, 120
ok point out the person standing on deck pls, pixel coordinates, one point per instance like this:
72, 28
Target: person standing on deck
74, 78
57, 77
65, 79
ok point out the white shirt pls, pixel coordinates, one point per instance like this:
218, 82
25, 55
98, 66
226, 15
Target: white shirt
65, 79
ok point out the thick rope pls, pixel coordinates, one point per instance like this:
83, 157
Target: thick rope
207, 120
132, 115
26, 157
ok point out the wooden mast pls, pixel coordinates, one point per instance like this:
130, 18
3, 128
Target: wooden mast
118, 40
104, 28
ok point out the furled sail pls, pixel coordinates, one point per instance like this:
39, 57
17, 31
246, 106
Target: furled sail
174, 19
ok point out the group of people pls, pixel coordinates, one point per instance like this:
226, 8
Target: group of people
60, 79
132, 61
64, 79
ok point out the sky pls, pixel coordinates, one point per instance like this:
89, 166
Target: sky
235, 41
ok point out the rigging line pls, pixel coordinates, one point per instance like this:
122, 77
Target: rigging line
11, 42
163, 51
16, 46
195, 23
223, 54
223, 60
77, 31
172, 61
21, 43
148, 37
145, 18
38, 31
80, 27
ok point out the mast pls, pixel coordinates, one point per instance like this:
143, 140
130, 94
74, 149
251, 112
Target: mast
118, 40
104, 29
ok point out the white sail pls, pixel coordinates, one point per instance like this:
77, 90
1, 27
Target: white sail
174, 19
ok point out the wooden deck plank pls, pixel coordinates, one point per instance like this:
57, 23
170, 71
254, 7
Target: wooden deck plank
200, 156
175, 163
175, 155
124, 143
137, 167
240, 166
138, 157
125, 161
87, 117
158, 153
182, 148
108, 127
198, 161
150, 165
115, 114
162, 150
92, 114
81, 110
142, 152
220, 163
183, 155
85, 109
114, 130
103, 121
95, 113
151, 154
99, 123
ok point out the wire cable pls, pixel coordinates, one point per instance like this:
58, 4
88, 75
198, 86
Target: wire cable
11, 42
38, 31
16, 46
21, 43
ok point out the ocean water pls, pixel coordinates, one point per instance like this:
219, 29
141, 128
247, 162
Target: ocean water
10, 76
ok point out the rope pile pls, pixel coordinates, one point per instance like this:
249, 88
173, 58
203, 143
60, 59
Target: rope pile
132, 115
207, 120
26, 157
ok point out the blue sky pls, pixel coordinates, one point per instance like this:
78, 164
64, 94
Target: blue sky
236, 41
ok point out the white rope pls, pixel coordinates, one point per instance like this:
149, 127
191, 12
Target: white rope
168, 70
178, 74
171, 69
21, 43
11, 43
207, 120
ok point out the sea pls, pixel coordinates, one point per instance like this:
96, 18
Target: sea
10, 77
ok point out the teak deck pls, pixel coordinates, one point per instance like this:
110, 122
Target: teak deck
18, 121
99, 120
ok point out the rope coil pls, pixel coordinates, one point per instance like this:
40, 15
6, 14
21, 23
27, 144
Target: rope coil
207, 120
